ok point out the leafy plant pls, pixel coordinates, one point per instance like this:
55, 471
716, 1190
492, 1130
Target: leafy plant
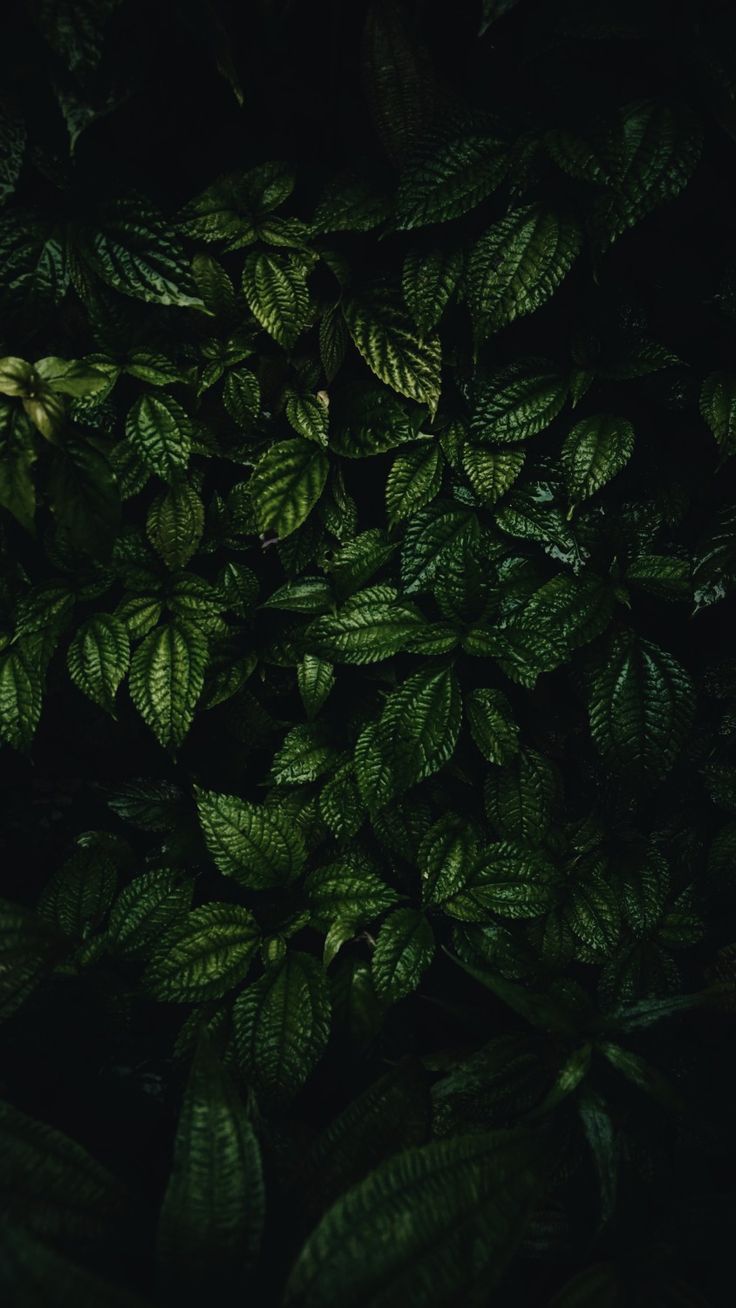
367, 413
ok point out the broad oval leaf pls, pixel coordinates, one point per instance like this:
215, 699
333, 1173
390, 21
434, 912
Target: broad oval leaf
393, 350
403, 1234
517, 402
257, 846
287, 484
445, 178
517, 265
203, 955
160, 432
593, 451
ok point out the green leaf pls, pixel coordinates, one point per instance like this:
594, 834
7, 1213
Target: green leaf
28, 951
151, 904
98, 658
315, 678
593, 451
519, 797
17, 457
414, 480
309, 416
428, 280
175, 524
349, 890
492, 725
491, 472
166, 679
44, 1272
71, 376
718, 408
517, 265
667, 578
276, 291
349, 203
161, 434
282, 1024
404, 949
446, 177
230, 206
594, 913
21, 692
241, 395
257, 846
60, 1191
434, 540
211, 1220
203, 954
340, 804
643, 155
517, 402
397, 76
84, 495
447, 856
303, 757
393, 1113
12, 148
369, 627
511, 881
132, 252
287, 484
77, 897
414, 736
393, 350
641, 706
405, 1230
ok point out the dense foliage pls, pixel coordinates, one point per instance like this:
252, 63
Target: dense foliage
367, 413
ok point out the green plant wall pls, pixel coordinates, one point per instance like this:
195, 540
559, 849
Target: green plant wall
367, 697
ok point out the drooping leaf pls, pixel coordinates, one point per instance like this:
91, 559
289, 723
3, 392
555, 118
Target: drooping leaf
282, 1023
443, 1198
393, 350
211, 1219
98, 658
404, 949
166, 679
641, 705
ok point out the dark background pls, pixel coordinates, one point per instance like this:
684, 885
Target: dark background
178, 127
